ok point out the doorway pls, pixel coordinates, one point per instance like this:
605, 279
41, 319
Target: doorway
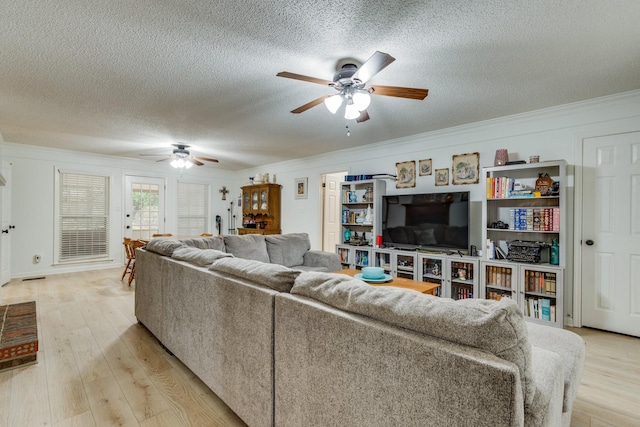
7, 228
331, 210
144, 207
610, 261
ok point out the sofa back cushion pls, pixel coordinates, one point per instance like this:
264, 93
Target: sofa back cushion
249, 246
216, 243
287, 249
274, 276
163, 246
199, 257
497, 327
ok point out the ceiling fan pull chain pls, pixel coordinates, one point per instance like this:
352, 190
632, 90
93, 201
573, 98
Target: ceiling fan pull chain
348, 131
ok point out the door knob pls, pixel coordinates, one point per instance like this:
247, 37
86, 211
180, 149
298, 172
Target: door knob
5, 231
589, 242
128, 227
11, 227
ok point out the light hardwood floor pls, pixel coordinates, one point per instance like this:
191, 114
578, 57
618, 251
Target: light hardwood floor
98, 367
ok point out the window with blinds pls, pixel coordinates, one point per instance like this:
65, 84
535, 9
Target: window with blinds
193, 208
83, 222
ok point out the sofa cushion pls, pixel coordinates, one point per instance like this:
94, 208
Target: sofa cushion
571, 349
249, 246
199, 257
287, 249
216, 243
276, 277
163, 246
497, 327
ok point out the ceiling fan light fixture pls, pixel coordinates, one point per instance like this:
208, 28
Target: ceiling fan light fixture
361, 99
181, 162
351, 111
333, 103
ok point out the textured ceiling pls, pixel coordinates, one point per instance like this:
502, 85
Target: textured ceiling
124, 77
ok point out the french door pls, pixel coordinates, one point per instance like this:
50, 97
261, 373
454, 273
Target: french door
144, 207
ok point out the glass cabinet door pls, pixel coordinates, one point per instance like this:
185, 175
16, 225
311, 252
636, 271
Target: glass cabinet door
254, 200
245, 202
264, 200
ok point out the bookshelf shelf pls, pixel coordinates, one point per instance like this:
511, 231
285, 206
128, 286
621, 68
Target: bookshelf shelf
539, 219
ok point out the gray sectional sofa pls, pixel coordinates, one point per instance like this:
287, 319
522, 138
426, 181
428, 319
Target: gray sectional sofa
282, 346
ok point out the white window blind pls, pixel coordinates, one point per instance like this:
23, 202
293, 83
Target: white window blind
83, 231
193, 211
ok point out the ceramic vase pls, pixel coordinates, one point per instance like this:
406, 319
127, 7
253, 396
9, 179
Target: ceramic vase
502, 157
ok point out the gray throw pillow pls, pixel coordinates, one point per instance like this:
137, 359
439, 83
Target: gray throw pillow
249, 246
274, 276
287, 249
163, 246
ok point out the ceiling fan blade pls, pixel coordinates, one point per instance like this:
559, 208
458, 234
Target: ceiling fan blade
206, 159
400, 92
376, 63
363, 117
308, 105
295, 76
164, 160
195, 161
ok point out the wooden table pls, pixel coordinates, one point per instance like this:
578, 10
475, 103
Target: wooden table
399, 282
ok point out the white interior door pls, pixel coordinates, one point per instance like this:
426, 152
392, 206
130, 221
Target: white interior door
611, 233
331, 211
7, 227
144, 207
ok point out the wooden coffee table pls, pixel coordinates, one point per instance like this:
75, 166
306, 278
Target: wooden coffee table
399, 282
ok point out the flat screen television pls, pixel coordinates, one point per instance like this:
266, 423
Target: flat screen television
433, 221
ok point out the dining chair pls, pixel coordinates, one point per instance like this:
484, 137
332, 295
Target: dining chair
134, 244
128, 256
161, 235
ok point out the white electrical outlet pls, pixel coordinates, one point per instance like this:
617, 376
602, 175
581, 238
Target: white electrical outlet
36, 259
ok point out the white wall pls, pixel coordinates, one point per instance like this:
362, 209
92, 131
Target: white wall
554, 133
33, 201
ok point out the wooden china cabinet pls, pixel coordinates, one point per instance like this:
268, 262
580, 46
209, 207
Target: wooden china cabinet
261, 209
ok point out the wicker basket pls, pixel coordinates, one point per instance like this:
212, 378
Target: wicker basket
524, 251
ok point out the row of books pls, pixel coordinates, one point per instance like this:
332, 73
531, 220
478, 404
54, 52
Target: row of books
534, 219
540, 308
497, 296
461, 292
500, 188
540, 282
354, 216
498, 276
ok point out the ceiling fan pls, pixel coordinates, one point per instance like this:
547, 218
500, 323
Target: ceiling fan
350, 83
182, 158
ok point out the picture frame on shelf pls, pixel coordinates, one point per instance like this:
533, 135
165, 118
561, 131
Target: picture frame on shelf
300, 188
465, 168
406, 174
424, 166
442, 176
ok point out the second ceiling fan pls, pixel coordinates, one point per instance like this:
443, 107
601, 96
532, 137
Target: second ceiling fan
350, 83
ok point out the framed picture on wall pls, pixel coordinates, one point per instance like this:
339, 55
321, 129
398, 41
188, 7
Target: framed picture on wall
442, 176
466, 168
300, 187
424, 166
406, 174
